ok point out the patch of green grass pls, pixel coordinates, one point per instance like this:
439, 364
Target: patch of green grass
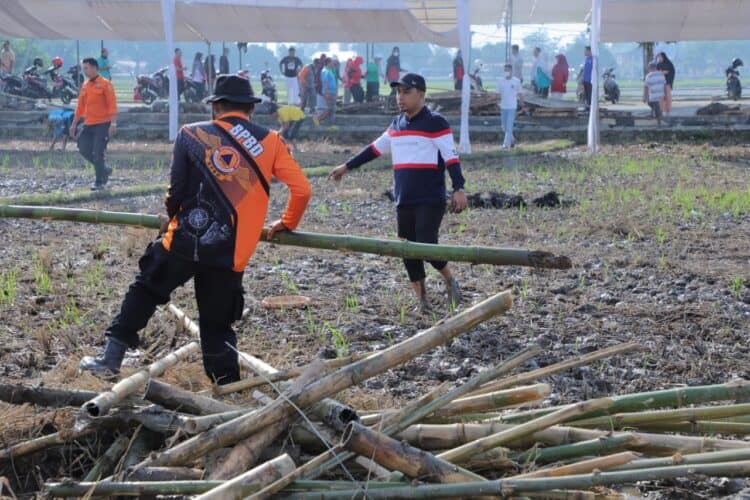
93, 278
661, 236
71, 315
737, 285
352, 303
323, 210
288, 282
42, 281
338, 340
8, 286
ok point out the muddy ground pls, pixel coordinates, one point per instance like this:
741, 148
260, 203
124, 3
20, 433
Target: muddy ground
658, 237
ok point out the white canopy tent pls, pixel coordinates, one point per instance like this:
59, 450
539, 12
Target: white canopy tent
443, 22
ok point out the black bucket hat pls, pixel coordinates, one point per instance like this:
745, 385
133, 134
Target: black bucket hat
232, 88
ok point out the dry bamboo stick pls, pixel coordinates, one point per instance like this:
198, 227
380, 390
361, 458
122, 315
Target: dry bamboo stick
241, 427
404, 458
46, 441
534, 375
43, 396
584, 466
130, 385
261, 475
688, 459
107, 462
465, 451
174, 398
151, 474
678, 415
701, 427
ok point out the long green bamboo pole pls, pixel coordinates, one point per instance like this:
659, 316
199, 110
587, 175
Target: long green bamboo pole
700, 427
597, 446
392, 248
606, 462
672, 398
689, 459
682, 414
241, 427
187, 487
63, 197
107, 462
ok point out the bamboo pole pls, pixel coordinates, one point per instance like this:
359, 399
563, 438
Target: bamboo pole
262, 475
107, 462
674, 398
46, 441
128, 386
701, 427
598, 446
399, 456
600, 463
393, 248
185, 487
174, 398
688, 459
546, 371
465, 451
509, 487
43, 396
241, 427
65, 197
417, 414
619, 420
151, 474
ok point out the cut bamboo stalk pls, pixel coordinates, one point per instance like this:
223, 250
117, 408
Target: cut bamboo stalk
65, 197
153, 417
600, 463
43, 396
683, 414
107, 462
246, 453
241, 427
393, 248
701, 427
420, 412
457, 455
599, 446
673, 398
392, 454
187, 487
43, 442
174, 398
689, 459
452, 435
262, 475
509, 487
130, 385
534, 375
280, 375
150, 474
142, 444
494, 460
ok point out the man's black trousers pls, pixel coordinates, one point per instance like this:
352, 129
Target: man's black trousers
92, 143
220, 301
420, 223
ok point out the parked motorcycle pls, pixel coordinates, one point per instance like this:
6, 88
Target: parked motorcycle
63, 87
192, 92
734, 86
12, 84
35, 85
76, 75
268, 85
151, 87
611, 89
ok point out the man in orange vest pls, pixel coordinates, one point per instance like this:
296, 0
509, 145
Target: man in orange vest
216, 206
98, 107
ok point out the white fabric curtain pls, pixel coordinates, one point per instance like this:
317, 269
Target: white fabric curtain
596, 21
167, 12
464, 38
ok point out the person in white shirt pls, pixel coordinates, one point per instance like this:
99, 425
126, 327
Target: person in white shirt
517, 61
509, 88
653, 90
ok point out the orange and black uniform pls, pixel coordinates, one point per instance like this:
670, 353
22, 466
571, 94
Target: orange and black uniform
98, 106
217, 203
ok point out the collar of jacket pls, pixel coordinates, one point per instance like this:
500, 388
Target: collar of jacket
238, 114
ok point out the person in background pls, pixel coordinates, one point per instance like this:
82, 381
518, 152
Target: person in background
666, 66
290, 66
319, 100
421, 145
198, 74
517, 62
224, 62
458, 71
560, 73
588, 68
540, 73
98, 108
329, 89
180, 71
306, 79
7, 58
104, 64
653, 90
509, 88
290, 118
373, 76
354, 77
209, 69
345, 81
393, 68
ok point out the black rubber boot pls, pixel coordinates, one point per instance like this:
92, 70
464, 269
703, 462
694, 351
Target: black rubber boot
108, 364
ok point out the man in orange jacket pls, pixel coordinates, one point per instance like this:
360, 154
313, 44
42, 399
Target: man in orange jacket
98, 107
216, 206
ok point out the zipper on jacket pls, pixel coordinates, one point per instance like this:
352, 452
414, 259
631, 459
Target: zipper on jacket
197, 239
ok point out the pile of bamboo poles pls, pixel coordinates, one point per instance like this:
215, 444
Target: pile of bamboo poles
478, 438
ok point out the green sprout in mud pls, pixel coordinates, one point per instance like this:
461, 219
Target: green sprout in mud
661, 236
524, 289
94, 278
36, 161
323, 210
42, 281
71, 314
289, 284
352, 303
737, 284
346, 208
8, 286
340, 344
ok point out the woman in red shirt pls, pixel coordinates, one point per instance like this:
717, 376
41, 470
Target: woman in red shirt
560, 73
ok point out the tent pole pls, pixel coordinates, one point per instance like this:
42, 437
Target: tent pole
167, 13
593, 130
464, 38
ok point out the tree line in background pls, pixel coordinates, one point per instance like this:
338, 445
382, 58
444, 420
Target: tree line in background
692, 59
